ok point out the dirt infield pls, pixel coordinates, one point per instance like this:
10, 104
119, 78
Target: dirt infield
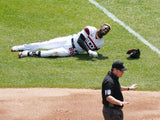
72, 104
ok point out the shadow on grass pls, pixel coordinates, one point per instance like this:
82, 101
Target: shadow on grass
82, 57
87, 57
129, 58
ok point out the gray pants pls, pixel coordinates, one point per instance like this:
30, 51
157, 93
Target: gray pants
112, 114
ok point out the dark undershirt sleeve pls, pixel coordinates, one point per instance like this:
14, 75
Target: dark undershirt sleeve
81, 42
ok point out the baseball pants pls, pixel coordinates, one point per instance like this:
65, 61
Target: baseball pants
61, 46
112, 113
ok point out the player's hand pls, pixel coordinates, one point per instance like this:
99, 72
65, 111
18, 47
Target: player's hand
92, 53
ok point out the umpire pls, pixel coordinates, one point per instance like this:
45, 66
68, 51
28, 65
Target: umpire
112, 97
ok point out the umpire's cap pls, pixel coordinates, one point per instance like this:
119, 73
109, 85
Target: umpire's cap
119, 65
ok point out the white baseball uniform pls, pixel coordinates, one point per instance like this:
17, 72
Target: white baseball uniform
66, 46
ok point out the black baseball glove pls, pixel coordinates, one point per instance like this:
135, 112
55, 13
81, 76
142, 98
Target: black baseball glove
133, 53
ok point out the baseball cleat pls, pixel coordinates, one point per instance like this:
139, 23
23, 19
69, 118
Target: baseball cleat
17, 48
23, 54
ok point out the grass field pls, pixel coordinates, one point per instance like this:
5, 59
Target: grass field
38, 20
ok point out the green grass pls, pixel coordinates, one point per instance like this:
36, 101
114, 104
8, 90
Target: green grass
38, 20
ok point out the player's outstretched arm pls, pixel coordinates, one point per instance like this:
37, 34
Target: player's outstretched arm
81, 43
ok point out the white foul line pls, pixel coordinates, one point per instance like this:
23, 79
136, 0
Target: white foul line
114, 18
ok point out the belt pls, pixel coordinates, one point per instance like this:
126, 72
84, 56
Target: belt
73, 43
114, 107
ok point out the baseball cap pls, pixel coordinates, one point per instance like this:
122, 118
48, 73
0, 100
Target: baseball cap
119, 65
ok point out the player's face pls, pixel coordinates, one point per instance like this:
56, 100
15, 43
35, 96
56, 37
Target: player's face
104, 30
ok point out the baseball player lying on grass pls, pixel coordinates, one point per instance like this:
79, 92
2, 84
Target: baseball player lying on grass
89, 39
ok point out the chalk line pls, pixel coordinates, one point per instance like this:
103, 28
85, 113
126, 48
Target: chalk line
114, 18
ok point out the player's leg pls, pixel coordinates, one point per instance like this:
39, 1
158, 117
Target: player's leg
29, 53
51, 44
34, 46
59, 52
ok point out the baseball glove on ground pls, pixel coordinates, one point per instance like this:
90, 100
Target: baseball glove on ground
133, 53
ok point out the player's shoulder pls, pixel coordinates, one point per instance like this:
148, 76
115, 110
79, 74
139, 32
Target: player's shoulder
90, 29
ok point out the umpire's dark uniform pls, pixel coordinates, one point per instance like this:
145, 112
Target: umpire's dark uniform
111, 87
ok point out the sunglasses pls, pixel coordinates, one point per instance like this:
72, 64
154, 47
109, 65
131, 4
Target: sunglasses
120, 70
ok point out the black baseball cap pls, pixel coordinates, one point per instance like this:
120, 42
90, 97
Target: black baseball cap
119, 65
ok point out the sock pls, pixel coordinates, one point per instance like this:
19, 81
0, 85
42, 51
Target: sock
35, 54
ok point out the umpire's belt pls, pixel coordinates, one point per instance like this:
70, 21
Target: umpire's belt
73, 43
114, 107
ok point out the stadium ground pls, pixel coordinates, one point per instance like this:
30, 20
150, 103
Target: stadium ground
72, 104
